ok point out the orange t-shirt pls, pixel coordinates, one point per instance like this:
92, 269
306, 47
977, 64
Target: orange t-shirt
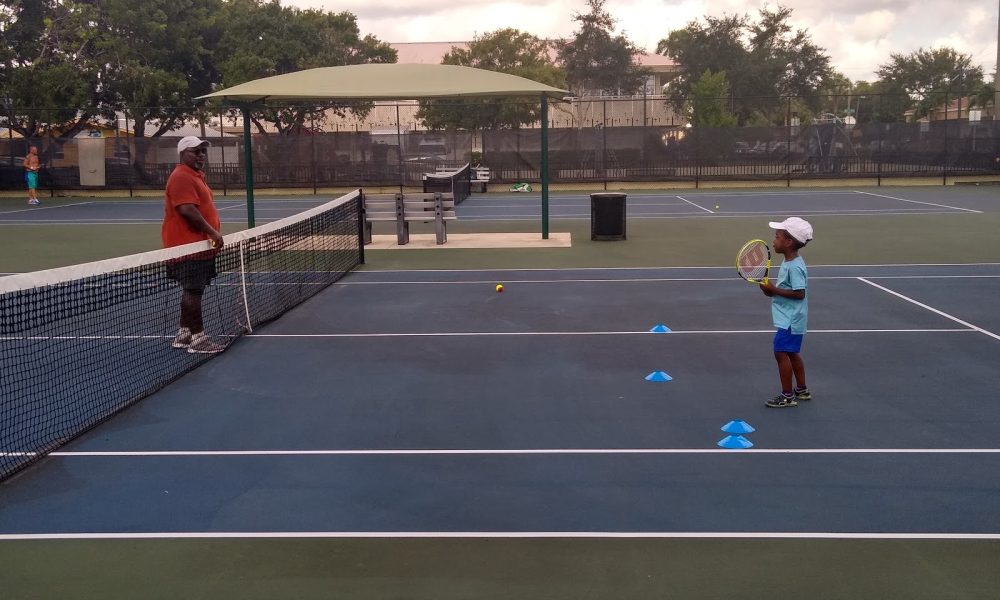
186, 186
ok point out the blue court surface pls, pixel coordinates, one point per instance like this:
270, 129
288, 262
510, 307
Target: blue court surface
425, 402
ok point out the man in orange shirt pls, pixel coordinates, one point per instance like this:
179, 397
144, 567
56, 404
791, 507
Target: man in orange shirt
190, 216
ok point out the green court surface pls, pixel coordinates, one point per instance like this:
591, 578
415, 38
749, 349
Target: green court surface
859, 239
458, 569
543, 568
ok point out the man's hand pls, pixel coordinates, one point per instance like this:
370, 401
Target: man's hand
767, 289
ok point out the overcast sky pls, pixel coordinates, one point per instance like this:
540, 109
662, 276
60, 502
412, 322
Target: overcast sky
858, 35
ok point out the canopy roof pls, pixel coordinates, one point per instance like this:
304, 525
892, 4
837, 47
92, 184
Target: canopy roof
386, 82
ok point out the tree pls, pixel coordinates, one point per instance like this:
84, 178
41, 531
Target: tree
155, 57
48, 66
504, 51
835, 94
595, 60
260, 38
929, 77
708, 99
765, 60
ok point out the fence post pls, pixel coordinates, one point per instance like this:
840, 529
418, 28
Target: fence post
399, 149
788, 143
604, 144
944, 158
222, 148
878, 161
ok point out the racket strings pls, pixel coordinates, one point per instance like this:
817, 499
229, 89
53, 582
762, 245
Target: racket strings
753, 271
753, 261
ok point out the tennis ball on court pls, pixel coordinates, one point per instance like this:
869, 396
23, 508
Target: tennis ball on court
499, 287
716, 206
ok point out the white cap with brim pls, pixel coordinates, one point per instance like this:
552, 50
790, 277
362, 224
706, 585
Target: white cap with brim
191, 141
800, 229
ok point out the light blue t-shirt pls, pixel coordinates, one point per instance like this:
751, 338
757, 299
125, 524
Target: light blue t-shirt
787, 312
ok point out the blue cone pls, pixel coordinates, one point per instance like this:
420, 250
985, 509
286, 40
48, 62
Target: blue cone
658, 376
660, 329
735, 442
738, 427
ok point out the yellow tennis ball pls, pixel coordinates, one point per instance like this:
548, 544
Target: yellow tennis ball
716, 206
499, 287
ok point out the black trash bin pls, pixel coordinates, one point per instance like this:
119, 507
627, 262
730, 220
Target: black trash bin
607, 216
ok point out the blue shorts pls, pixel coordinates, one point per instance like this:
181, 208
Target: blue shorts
786, 341
31, 177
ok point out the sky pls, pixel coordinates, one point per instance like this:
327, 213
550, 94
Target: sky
858, 35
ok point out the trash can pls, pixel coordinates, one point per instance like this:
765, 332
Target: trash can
607, 216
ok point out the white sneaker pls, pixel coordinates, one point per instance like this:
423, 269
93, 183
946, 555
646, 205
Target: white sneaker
183, 339
201, 344
33, 201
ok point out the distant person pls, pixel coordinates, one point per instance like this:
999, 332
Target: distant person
789, 310
190, 216
31, 167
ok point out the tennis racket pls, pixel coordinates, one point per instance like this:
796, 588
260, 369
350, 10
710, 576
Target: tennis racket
753, 261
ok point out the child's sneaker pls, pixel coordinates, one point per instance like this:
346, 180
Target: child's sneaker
803, 394
782, 401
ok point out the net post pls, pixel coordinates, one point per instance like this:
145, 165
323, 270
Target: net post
360, 207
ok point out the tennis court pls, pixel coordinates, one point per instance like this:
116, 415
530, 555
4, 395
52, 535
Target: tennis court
409, 432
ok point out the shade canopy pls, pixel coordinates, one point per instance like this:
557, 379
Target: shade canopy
386, 82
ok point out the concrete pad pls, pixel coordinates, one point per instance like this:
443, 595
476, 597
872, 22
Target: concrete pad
420, 241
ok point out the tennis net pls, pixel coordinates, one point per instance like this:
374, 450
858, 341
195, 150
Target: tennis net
457, 182
80, 343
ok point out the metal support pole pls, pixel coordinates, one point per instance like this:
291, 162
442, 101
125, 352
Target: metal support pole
399, 149
312, 141
788, 144
545, 168
248, 165
222, 148
604, 144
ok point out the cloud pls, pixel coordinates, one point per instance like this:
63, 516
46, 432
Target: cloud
857, 34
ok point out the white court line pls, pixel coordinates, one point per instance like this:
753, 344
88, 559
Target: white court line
979, 212
932, 309
718, 215
500, 452
634, 280
57, 338
521, 451
498, 535
45, 207
696, 205
729, 267
473, 207
584, 333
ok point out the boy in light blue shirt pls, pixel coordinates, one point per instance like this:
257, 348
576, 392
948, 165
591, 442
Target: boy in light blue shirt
790, 310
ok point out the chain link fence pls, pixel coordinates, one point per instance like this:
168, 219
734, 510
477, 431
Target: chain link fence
635, 139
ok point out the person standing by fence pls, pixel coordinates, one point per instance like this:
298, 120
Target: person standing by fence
31, 167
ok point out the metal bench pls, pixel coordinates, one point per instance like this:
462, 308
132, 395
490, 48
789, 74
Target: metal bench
403, 208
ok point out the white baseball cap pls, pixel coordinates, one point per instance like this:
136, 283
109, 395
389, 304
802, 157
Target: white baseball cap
800, 229
191, 141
